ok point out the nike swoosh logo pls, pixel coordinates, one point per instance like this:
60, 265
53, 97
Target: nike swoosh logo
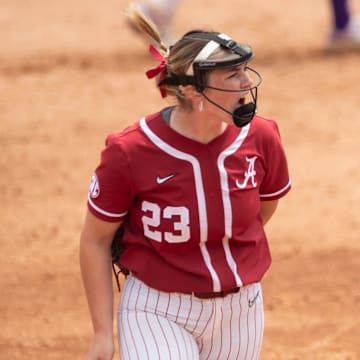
161, 180
252, 301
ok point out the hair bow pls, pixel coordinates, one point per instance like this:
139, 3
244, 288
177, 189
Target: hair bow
159, 70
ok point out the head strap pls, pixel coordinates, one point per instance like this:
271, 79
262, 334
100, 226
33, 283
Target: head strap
238, 54
223, 40
205, 52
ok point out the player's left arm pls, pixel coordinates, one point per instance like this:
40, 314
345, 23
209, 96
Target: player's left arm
268, 209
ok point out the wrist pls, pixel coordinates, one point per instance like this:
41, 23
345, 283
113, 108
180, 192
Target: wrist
104, 337
104, 334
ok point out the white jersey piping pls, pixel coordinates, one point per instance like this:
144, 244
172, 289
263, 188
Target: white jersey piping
277, 192
103, 212
227, 202
199, 193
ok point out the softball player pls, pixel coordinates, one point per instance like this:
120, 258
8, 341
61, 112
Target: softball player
192, 185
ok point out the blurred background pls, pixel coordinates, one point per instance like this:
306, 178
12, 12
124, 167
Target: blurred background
72, 72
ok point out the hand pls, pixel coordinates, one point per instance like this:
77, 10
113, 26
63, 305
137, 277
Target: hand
102, 348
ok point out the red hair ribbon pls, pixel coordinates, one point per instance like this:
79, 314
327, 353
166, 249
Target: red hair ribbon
159, 70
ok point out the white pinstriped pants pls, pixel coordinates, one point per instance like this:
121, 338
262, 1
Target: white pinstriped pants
155, 325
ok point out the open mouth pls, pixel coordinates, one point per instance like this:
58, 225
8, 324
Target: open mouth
242, 101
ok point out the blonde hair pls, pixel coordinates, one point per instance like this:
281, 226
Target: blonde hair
145, 25
180, 56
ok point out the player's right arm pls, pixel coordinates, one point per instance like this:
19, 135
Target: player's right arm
95, 264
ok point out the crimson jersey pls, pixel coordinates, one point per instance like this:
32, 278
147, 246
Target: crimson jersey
191, 211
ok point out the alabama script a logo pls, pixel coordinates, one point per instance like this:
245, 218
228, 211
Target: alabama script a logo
249, 174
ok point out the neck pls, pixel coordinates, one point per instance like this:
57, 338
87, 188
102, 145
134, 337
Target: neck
195, 125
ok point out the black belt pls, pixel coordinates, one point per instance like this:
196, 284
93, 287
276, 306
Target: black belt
210, 295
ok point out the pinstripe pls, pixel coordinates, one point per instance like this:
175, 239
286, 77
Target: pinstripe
137, 314
208, 321
239, 326
212, 330
191, 346
178, 307
255, 291
244, 325
148, 323
157, 325
171, 328
255, 329
231, 327
164, 337
234, 336
167, 305
188, 326
133, 337
177, 318
122, 333
162, 328
176, 338
260, 313
170, 347
221, 330
148, 347
130, 332
188, 344
188, 315
235, 326
180, 347
255, 332
198, 319
247, 325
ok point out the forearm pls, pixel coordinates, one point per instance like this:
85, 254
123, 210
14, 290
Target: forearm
95, 263
268, 209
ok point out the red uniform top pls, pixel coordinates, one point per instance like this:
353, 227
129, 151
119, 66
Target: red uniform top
191, 211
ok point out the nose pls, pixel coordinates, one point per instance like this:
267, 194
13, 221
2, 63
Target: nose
246, 80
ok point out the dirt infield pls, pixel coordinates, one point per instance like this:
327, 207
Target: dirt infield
72, 72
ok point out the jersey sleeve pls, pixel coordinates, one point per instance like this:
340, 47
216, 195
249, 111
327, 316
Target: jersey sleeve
277, 181
110, 194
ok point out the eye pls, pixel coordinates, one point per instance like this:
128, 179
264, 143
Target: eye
234, 74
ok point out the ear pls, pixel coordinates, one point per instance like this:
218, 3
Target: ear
190, 92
